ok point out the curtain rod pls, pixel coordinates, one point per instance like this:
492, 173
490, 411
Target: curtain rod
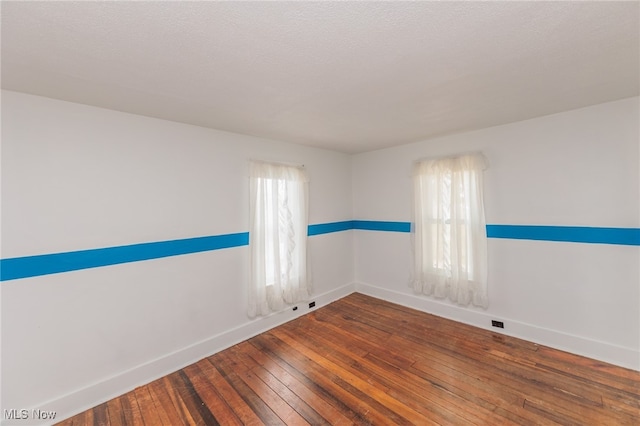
458, 155
454, 156
277, 163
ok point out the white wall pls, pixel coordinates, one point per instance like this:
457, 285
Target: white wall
76, 177
578, 168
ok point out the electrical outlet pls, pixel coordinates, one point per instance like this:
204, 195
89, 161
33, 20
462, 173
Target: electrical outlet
312, 304
498, 324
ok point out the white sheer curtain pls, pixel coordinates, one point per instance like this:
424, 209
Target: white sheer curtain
278, 237
450, 237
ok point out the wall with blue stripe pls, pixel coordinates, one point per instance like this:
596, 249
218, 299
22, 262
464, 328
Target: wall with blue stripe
563, 212
31, 266
129, 188
122, 245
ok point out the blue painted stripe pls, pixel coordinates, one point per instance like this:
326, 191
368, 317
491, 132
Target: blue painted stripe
374, 225
573, 234
32, 266
326, 228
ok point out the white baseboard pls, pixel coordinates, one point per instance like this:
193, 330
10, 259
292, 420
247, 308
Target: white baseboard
95, 394
109, 388
602, 351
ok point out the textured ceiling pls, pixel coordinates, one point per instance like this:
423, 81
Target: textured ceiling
349, 76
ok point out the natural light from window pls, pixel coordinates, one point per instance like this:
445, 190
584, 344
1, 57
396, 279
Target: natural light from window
278, 237
450, 257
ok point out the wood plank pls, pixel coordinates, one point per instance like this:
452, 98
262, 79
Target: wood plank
329, 413
133, 416
319, 390
230, 370
192, 401
115, 411
172, 388
303, 412
162, 399
210, 396
622, 408
366, 409
101, 415
148, 412
240, 407
380, 394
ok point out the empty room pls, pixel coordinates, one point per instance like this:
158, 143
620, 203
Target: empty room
320, 213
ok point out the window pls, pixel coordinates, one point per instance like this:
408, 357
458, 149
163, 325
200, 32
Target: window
450, 237
278, 237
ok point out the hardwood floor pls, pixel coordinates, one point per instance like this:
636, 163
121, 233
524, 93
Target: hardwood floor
362, 360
